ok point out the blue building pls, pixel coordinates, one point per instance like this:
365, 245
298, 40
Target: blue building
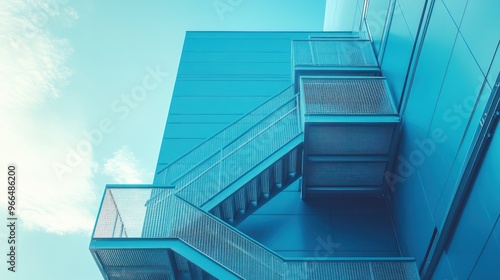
365, 153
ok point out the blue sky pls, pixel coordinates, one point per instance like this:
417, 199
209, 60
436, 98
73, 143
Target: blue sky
85, 89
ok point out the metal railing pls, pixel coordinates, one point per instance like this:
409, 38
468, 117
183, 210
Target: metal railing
109, 222
168, 216
205, 150
239, 156
333, 53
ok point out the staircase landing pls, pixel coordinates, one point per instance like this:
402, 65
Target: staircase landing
326, 227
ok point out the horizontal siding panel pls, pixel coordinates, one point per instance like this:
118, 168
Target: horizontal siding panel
192, 130
236, 45
229, 88
250, 57
235, 68
214, 105
171, 148
201, 119
252, 35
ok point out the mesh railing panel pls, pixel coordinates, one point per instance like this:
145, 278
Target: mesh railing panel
222, 244
135, 263
339, 96
122, 213
352, 270
388, 271
110, 223
137, 273
134, 257
223, 168
221, 139
346, 173
332, 53
374, 139
147, 264
186, 267
328, 270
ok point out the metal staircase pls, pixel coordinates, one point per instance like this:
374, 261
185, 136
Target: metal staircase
187, 270
245, 167
246, 199
243, 173
217, 185
209, 244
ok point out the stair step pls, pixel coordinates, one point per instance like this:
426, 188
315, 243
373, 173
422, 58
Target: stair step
278, 173
292, 163
240, 200
265, 183
252, 191
228, 209
260, 189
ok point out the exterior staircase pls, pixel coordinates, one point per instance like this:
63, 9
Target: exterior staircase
198, 199
243, 201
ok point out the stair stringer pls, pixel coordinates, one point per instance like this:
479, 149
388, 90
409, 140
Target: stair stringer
259, 185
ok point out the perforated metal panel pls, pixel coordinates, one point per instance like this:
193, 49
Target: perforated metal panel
134, 257
136, 263
352, 119
148, 264
336, 96
136, 273
342, 139
387, 271
333, 53
345, 173
353, 270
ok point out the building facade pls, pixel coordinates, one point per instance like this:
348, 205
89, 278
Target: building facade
357, 154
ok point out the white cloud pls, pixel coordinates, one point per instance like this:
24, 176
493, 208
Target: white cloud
45, 201
32, 68
124, 168
32, 72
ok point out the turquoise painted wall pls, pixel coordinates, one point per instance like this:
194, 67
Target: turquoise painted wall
445, 96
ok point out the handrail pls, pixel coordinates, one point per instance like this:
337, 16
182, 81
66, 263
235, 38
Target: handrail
231, 153
236, 138
282, 105
216, 168
233, 125
233, 229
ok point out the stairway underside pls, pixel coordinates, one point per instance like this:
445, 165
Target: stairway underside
151, 264
272, 176
220, 249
